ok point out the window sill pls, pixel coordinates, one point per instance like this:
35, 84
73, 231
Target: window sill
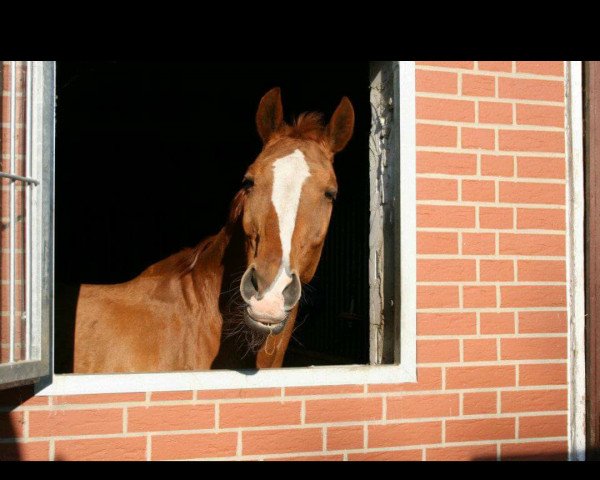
69, 384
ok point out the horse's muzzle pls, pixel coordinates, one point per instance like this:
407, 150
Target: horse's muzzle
263, 327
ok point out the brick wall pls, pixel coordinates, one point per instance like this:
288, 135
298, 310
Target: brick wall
19, 224
491, 325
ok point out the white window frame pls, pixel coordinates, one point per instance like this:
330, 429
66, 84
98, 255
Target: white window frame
575, 211
404, 368
39, 134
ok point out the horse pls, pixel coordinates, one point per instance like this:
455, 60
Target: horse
189, 311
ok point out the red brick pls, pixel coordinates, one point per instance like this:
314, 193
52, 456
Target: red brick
446, 324
99, 398
172, 417
423, 406
479, 350
526, 192
309, 458
533, 348
428, 378
261, 414
481, 429
75, 422
19, 111
541, 167
447, 64
479, 85
171, 396
445, 216
541, 218
462, 454
543, 115
541, 68
496, 271
323, 390
478, 243
437, 243
526, 89
533, 296
495, 112
345, 438
450, 270
404, 434
390, 456
497, 218
531, 141
101, 449
478, 191
448, 163
436, 189
436, 135
496, 323
480, 377
532, 244
495, 66
437, 297
436, 82
444, 109
11, 424
543, 426
542, 322
533, 401
478, 403
260, 442
534, 451
542, 270
482, 138
479, 296
497, 165
437, 351
343, 410
29, 451
543, 374
238, 393
191, 446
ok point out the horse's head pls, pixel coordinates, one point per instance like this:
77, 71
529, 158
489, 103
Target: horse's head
285, 206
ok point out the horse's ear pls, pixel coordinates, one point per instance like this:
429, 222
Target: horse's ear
269, 115
340, 127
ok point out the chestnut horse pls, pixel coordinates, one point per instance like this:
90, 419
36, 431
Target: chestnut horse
185, 312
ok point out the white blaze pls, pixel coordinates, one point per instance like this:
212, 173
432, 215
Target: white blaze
289, 174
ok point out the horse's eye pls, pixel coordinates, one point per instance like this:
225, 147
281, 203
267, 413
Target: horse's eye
330, 195
247, 183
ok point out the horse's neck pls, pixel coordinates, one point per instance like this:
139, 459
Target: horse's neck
220, 265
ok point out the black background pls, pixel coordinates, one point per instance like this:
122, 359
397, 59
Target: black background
149, 156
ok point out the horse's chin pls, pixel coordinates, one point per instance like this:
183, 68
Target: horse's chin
264, 327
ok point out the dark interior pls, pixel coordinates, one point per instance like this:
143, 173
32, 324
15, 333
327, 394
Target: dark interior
149, 156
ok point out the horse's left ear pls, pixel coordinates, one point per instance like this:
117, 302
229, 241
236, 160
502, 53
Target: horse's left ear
269, 115
340, 127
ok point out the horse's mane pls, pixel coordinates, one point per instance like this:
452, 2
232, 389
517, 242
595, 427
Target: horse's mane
307, 126
185, 260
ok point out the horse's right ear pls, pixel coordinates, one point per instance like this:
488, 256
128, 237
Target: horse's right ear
269, 115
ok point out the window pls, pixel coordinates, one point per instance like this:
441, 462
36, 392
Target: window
26, 250
390, 287
165, 118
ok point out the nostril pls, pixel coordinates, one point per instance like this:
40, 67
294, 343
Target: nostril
292, 293
253, 280
248, 285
